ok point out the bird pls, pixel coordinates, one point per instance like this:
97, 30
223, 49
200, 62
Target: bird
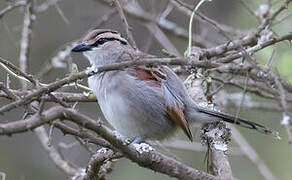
143, 102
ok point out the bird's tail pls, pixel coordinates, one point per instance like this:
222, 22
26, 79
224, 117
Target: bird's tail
239, 121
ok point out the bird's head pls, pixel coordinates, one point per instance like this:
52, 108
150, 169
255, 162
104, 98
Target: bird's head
102, 46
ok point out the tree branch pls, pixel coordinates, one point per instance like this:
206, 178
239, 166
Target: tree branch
151, 159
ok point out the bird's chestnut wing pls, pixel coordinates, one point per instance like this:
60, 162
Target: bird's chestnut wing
157, 77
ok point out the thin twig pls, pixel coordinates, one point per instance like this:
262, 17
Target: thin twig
125, 24
86, 135
49, 143
54, 154
186, 9
245, 5
9, 93
100, 164
11, 7
44, 6
151, 159
282, 101
26, 39
217, 136
243, 96
116, 66
15, 71
61, 13
252, 155
162, 38
134, 10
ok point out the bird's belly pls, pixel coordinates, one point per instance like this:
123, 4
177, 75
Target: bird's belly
130, 114
118, 113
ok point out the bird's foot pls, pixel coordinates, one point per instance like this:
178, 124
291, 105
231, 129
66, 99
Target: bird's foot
138, 140
141, 145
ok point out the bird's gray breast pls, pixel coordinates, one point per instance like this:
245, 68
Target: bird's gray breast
131, 106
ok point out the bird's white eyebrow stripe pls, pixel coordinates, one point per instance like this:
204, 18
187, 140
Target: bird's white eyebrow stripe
95, 33
107, 31
111, 37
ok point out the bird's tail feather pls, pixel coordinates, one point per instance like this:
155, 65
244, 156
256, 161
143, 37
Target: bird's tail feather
239, 121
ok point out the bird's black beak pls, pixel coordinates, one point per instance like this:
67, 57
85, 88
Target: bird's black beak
81, 47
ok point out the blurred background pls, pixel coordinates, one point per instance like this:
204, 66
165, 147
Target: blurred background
23, 158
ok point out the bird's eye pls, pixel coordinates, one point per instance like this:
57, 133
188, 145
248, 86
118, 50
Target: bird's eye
100, 42
104, 40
